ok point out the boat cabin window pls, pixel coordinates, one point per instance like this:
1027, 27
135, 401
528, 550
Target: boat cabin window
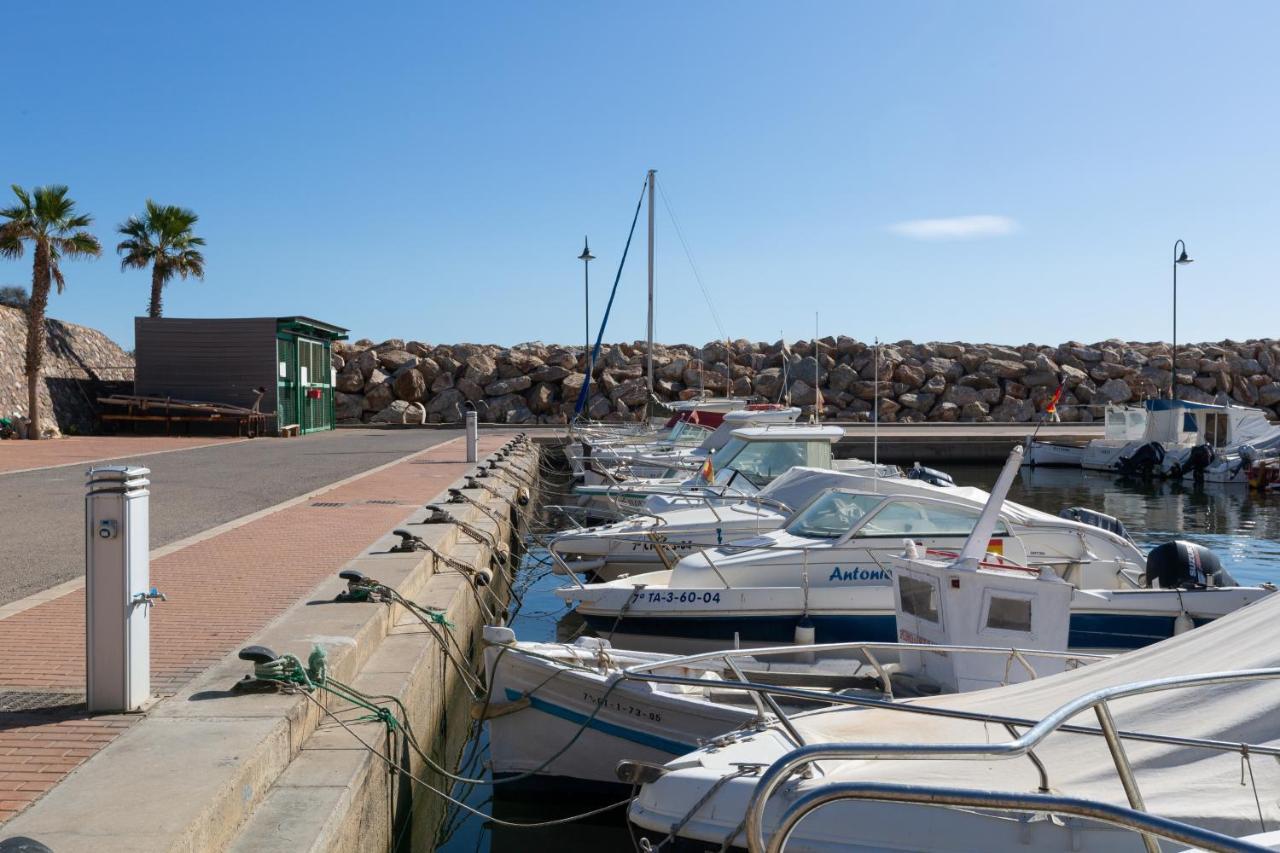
831, 515
1009, 614
1215, 429
762, 461
902, 518
1125, 423
919, 598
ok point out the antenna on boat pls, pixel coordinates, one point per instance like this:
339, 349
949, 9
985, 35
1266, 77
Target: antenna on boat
975, 547
817, 375
652, 179
785, 397
875, 420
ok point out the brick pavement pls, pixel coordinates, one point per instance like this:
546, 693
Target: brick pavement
221, 591
25, 455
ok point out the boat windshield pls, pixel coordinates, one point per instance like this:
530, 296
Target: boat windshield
831, 515
762, 461
688, 434
903, 517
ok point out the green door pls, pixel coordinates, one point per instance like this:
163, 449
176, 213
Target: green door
314, 386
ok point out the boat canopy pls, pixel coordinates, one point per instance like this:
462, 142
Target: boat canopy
1079, 765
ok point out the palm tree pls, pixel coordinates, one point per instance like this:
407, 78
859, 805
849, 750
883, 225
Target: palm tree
47, 219
162, 237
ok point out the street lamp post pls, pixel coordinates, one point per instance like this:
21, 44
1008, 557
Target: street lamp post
586, 257
1179, 259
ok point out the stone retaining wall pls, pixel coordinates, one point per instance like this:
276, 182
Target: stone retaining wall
538, 383
75, 356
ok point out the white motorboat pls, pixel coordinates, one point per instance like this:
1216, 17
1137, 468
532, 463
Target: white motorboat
827, 569
751, 459
656, 539
578, 710
623, 463
690, 423
1161, 747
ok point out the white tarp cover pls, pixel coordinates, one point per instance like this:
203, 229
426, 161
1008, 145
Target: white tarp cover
1196, 785
798, 485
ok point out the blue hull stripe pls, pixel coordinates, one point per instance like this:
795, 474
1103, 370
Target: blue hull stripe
672, 747
880, 628
1088, 630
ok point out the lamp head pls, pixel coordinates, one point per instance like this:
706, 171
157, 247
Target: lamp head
1183, 260
587, 256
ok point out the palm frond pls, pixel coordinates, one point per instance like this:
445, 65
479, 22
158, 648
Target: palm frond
80, 244
22, 195
10, 240
55, 270
52, 204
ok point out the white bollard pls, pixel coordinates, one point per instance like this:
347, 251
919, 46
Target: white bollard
118, 595
473, 436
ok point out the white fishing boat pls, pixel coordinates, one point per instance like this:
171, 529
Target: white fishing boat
575, 711
656, 539
827, 572
1170, 747
1178, 438
1121, 425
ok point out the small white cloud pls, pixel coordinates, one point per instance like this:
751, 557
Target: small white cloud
955, 227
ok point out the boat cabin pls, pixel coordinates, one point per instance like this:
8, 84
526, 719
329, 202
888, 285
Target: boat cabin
941, 600
755, 456
1186, 424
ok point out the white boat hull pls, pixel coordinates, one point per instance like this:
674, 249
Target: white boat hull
579, 724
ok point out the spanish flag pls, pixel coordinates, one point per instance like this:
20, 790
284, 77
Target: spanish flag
708, 471
1057, 395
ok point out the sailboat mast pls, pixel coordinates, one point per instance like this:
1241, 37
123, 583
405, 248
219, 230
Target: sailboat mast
652, 177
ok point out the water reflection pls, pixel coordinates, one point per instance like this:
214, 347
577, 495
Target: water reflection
1243, 528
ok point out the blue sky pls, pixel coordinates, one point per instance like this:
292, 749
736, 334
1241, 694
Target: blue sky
429, 170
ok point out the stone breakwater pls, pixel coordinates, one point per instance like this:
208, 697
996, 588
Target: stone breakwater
538, 383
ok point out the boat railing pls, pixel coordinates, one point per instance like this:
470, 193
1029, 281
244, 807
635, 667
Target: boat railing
1150, 826
575, 515
1099, 701
868, 649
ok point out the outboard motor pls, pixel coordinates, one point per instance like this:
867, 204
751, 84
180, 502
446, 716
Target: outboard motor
1109, 523
1182, 565
1143, 461
932, 476
1200, 458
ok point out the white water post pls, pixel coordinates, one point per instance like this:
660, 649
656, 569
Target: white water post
473, 436
652, 178
118, 593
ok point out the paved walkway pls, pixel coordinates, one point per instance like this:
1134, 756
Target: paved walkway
221, 590
192, 490
29, 455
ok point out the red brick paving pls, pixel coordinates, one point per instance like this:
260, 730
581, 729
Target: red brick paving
21, 455
221, 591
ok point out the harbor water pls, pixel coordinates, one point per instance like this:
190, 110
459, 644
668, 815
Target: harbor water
1241, 527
